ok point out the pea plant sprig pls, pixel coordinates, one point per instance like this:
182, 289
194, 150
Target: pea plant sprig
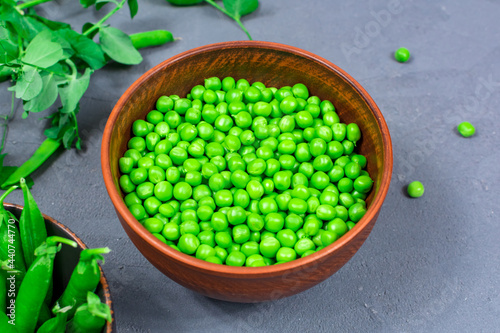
47, 60
235, 9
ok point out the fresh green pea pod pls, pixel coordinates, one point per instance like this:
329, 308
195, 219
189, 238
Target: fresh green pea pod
185, 2
31, 225
46, 149
56, 324
5, 324
151, 38
35, 286
85, 278
10, 239
90, 317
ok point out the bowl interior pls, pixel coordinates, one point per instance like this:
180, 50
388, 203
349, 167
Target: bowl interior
274, 65
66, 260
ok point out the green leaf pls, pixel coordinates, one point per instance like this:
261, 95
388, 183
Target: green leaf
239, 8
118, 46
100, 3
87, 3
29, 84
8, 45
133, 6
53, 25
47, 96
42, 51
73, 91
27, 27
69, 137
85, 48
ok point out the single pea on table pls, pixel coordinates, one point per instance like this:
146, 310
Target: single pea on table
244, 174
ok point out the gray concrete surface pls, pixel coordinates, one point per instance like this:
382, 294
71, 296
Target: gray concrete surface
430, 265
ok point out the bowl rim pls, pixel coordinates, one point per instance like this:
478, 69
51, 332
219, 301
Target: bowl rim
248, 272
103, 280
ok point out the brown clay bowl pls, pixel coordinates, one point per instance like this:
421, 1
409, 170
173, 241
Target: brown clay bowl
274, 65
66, 260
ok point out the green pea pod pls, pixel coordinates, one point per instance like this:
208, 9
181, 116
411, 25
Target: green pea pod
85, 278
56, 324
36, 283
31, 225
5, 324
90, 317
151, 38
46, 149
10, 239
184, 2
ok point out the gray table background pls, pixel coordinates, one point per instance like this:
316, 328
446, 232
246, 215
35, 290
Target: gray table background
430, 265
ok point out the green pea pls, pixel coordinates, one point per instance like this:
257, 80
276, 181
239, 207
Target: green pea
466, 129
223, 239
228, 83
235, 258
402, 54
356, 212
164, 104
241, 233
415, 189
303, 245
299, 90
182, 191
345, 185
312, 226
268, 205
269, 247
188, 243
138, 211
325, 212
223, 198
338, 226
363, 184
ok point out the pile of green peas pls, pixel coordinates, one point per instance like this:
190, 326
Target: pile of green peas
245, 175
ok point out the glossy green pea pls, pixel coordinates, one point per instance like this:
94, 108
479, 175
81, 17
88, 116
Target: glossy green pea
297, 206
223, 239
132, 199
306, 169
339, 131
288, 105
303, 245
156, 174
241, 234
323, 132
269, 246
172, 175
352, 170
164, 104
126, 184
236, 215
287, 238
314, 110
312, 227
153, 225
145, 190
282, 180
173, 119
213, 83
182, 105
342, 212
328, 237
360, 159
353, 133
287, 162
348, 147
228, 83
134, 154
287, 124
204, 251
138, 175
330, 118
242, 84
302, 153
189, 227
293, 222
362, 184
197, 91
323, 163
312, 205
137, 143
286, 254
234, 95
188, 243
255, 189
415, 189
325, 212
268, 205
338, 226
299, 90
274, 222
235, 258
171, 231
287, 147
356, 212
250, 248
300, 192
320, 180
268, 185
345, 185
138, 211
223, 198
140, 128
299, 179
252, 94
216, 182
308, 134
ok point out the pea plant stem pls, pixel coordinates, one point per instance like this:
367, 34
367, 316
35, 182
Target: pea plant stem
31, 3
237, 19
107, 16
